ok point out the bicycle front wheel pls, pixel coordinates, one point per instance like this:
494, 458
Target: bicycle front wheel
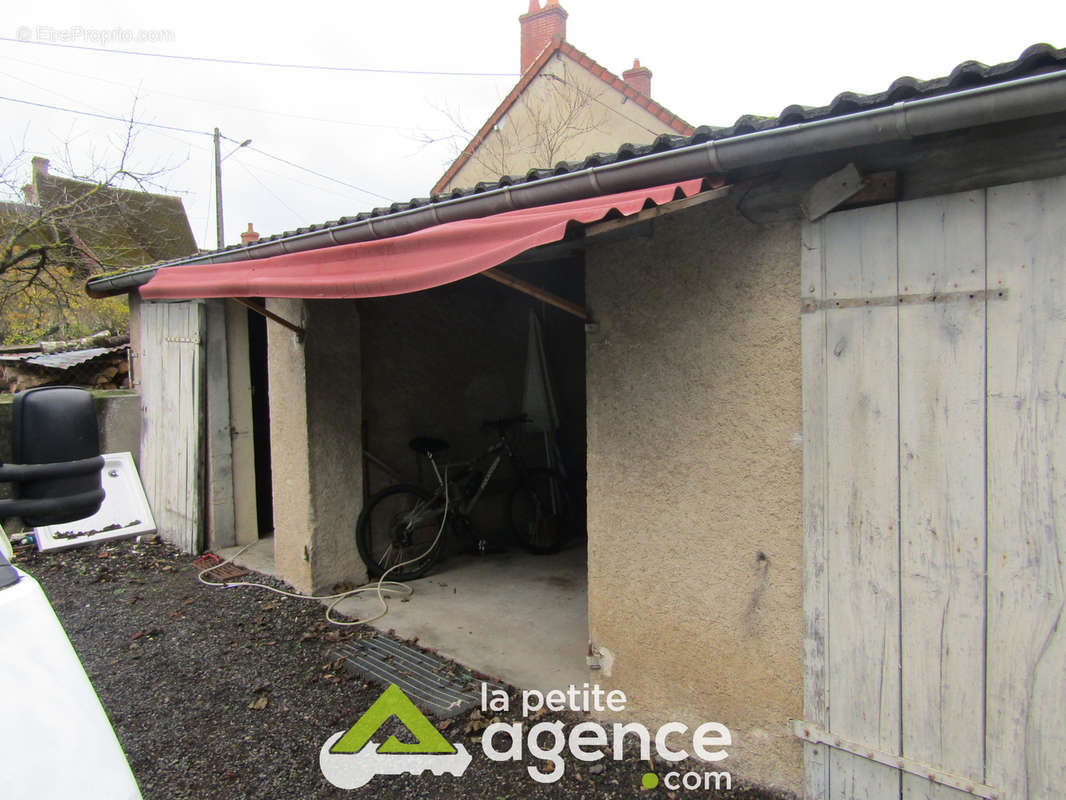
539, 511
400, 527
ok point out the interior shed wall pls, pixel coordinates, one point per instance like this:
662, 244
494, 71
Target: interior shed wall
694, 480
440, 362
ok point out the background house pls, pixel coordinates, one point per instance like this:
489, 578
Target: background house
818, 357
75, 229
563, 107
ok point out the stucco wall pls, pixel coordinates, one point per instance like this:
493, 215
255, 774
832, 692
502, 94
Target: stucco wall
315, 444
564, 114
694, 480
289, 455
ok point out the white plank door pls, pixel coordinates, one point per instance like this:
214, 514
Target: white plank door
172, 367
934, 357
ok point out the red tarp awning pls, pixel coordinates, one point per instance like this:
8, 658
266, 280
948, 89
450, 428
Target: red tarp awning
420, 260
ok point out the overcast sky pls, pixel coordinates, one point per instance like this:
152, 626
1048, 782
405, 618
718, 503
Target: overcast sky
712, 62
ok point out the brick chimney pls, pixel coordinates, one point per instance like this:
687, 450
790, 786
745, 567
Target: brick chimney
541, 26
40, 165
639, 77
249, 236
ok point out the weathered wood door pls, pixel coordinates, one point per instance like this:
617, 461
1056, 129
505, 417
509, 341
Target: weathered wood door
172, 366
934, 370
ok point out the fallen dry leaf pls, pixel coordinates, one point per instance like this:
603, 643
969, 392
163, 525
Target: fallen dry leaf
259, 703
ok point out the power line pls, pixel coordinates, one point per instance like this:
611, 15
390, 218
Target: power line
201, 133
209, 60
227, 105
104, 116
312, 172
266, 188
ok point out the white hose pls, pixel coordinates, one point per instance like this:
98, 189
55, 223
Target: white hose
381, 587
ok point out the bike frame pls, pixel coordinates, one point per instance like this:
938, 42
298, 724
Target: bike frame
498, 450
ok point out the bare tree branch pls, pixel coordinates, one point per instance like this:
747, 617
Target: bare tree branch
60, 225
543, 126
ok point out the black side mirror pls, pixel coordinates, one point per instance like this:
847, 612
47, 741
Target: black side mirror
56, 447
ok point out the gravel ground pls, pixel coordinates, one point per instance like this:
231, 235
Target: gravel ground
230, 693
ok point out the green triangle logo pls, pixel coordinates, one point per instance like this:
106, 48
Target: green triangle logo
393, 703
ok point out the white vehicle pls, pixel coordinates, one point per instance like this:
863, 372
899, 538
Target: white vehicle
56, 740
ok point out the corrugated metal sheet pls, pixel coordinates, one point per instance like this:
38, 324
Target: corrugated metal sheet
71, 358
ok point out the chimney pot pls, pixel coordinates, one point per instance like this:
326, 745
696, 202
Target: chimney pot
249, 236
541, 27
639, 77
40, 165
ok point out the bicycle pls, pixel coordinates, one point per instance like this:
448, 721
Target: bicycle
402, 528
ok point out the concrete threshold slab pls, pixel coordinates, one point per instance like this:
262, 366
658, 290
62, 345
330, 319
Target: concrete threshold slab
258, 557
518, 617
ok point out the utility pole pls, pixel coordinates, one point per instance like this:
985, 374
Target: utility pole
219, 235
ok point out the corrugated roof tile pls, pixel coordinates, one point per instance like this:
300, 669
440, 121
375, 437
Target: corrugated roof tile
1034, 60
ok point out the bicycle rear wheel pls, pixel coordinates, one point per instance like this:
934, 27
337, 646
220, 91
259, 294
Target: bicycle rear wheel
539, 511
399, 524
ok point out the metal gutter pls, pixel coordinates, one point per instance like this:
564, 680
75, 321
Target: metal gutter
1032, 95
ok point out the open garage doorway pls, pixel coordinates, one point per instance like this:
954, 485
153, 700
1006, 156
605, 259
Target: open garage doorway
438, 364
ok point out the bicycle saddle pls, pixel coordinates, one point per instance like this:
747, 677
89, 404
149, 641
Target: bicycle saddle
427, 444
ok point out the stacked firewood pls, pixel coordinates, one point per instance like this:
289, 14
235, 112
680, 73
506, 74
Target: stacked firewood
115, 375
103, 371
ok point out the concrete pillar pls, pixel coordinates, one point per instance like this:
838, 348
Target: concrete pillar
315, 442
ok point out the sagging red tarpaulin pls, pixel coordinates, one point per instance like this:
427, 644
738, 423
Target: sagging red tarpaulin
410, 263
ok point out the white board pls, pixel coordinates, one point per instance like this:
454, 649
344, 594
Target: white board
123, 513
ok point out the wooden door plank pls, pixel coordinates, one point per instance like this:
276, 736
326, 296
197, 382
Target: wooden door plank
177, 388
172, 426
942, 489
815, 587
246, 521
196, 427
149, 370
1026, 738
862, 500
200, 429
219, 483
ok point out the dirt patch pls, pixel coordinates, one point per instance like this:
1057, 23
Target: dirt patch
230, 693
